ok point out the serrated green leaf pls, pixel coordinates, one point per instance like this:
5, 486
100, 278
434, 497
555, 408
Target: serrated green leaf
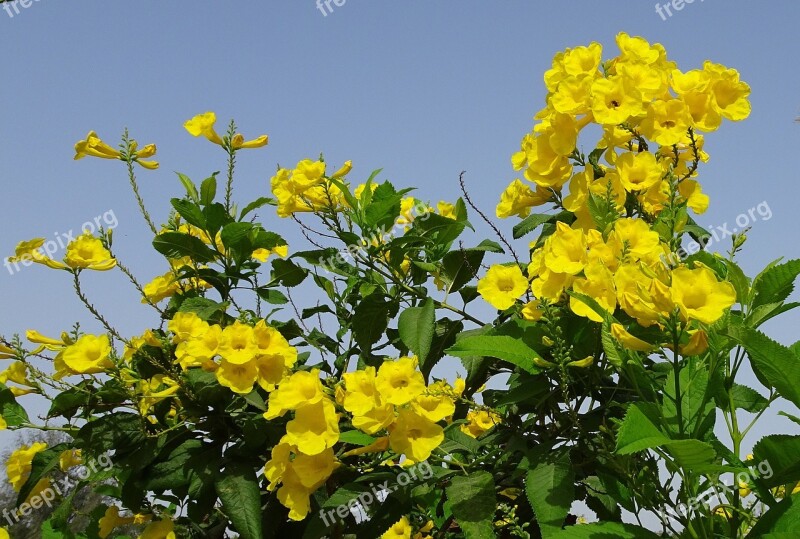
550, 487
240, 495
178, 245
473, 502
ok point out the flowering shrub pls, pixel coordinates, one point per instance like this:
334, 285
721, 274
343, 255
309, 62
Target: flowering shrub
611, 357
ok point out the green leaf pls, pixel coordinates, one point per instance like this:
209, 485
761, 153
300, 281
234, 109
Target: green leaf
120, 431
775, 283
190, 212
356, 437
748, 399
696, 402
10, 410
550, 487
272, 296
287, 273
416, 327
740, 282
203, 307
460, 267
531, 223
606, 530
208, 190
236, 236
498, 346
691, 454
783, 519
781, 452
239, 492
188, 184
178, 245
259, 202
638, 432
473, 502
777, 365
370, 320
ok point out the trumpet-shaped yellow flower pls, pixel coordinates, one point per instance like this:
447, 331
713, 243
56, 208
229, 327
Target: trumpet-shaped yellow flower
93, 146
518, 199
699, 295
627, 340
314, 429
638, 172
301, 388
399, 382
161, 529
88, 252
239, 377
415, 436
203, 124
18, 466
89, 355
238, 343
502, 285
399, 530
238, 142
479, 422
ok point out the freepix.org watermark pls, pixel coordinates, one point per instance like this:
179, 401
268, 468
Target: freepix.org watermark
325, 7
358, 506
717, 233
12, 8
665, 10
719, 494
61, 488
107, 221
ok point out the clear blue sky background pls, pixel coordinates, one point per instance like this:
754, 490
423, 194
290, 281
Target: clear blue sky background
423, 89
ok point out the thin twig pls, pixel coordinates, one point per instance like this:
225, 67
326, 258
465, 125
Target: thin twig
486, 219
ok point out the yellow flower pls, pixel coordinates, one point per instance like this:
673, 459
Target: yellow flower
313, 470
414, 436
161, 529
479, 421
197, 350
699, 295
518, 199
730, 94
89, 355
18, 466
69, 458
237, 344
361, 395
239, 377
565, 250
698, 343
446, 209
301, 388
238, 142
627, 340
695, 198
399, 530
88, 252
186, 326
636, 238
436, 403
615, 101
93, 146
17, 372
344, 171
314, 429
262, 254
599, 285
154, 390
638, 172
274, 355
532, 311
203, 124
399, 382
502, 285
112, 519
667, 121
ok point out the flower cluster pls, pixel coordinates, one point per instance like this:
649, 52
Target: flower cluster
638, 96
306, 188
240, 355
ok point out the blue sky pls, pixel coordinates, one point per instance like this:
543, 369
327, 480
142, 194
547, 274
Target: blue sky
422, 89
